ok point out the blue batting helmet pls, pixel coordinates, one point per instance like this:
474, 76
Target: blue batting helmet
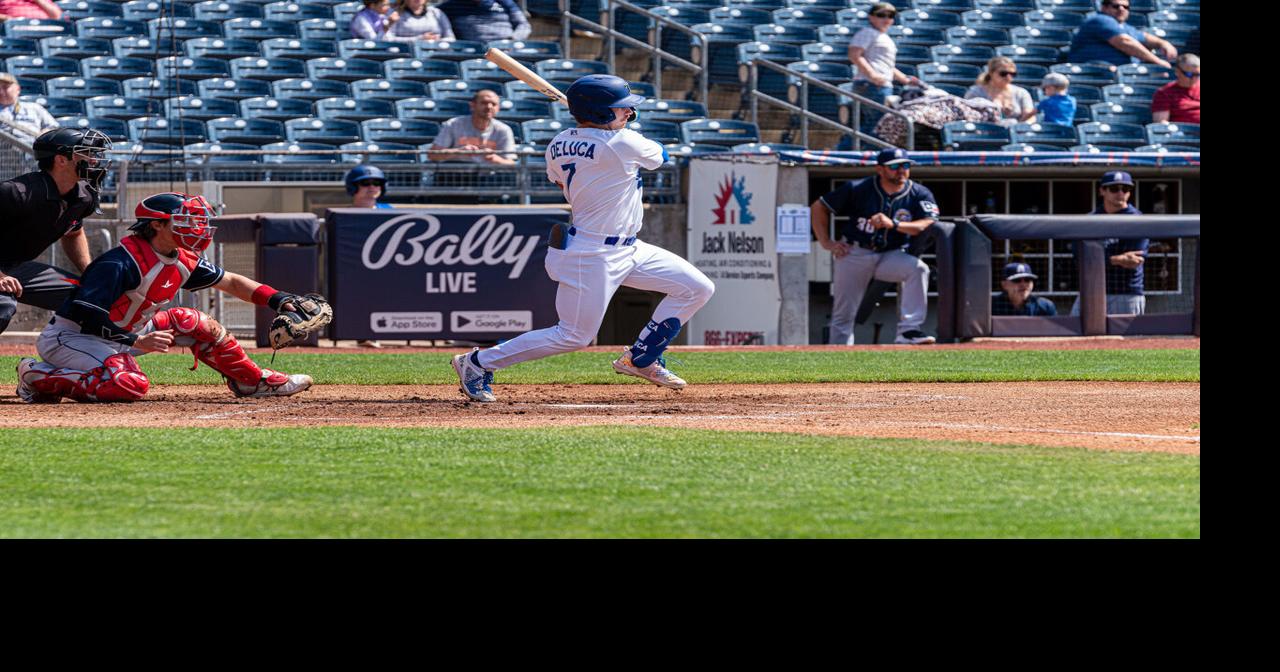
591, 97
364, 172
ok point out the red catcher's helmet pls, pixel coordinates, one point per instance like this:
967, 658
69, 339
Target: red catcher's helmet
190, 216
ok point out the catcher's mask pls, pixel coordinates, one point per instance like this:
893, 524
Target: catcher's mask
189, 215
87, 148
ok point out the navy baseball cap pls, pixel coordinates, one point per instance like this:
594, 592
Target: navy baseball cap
892, 157
1116, 177
1018, 270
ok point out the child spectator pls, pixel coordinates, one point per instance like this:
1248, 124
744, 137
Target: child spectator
1057, 106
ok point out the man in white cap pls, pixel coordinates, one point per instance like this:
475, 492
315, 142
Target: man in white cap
26, 121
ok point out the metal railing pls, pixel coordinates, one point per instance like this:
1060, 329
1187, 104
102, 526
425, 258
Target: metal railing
805, 83
612, 7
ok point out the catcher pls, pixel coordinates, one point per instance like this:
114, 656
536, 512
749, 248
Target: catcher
121, 310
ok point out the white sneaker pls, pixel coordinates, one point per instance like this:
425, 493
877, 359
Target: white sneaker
273, 384
473, 381
25, 392
914, 337
655, 373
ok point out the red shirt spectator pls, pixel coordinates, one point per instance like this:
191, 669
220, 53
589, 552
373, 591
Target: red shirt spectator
1179, 101
29, 9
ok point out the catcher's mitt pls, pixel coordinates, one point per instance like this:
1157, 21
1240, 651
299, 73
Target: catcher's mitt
307, 314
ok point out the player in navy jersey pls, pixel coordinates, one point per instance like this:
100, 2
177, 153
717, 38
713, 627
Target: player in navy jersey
1126, 294
121, 311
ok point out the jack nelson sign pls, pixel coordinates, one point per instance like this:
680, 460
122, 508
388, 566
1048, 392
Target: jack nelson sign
465, 274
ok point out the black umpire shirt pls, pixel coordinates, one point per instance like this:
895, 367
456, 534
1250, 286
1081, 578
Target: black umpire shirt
33, 215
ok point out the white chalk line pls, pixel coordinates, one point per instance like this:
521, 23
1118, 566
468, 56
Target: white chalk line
228, 414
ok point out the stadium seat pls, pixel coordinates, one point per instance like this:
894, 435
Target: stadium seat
975, 136
541, 131
448, 50
260, 29
256, 132
661, 132
1162, 149
835, 36
519, 91
721, 42
1045, 56
58, 107
152, 87
1174, 134
383, 89
224, 152
1007, 5
420, 70
555, 68
33, 29
853, 18
431, 109
165, 29
1121, 135
41, 67
942, 5
267, 70
684, 150
163, 131
275, 109
517, 111
112, 128
1118, 113
71, 46
203, 109
479, 69
1097, 149
972, 54
1023, 148
222, 10
988, 18
119, 107
944, 73
297, 49
819, 101
928, 18
1085, 95
145, 10
353, 109
828, 5
1067, 5
527, 51
1173, 19
765, 148
740, 15
985, 37
292, 152
1128, 93
294, 11
773, 32
1053, 19
309, 90
32, 85
411, 132
370, 50
77, 87
220, 47
816, 52
537, 157
791, 16
343, 69
1036, 133
192, 68
354, 152
1089, 74
723, 132
344, 12
1143, 74
1029, 36
671, 110
1179, 5
323, 131
323, 29
110, 67
459, 89
226, 87
74, 10
18, 46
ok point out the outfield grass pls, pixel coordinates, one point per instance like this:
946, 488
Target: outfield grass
834, 366
579, 482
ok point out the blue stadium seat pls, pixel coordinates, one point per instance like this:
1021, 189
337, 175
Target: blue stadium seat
383, 89
770, 81
797, 35
942, 5
1039, 55
1174, 134
77, 87
71, 46
230, 156
1098, 149
1067, 5
538, 158
323, 131
1090, 74
684, 151
220, 47
260, 29
420, 70
1122, 135
232, 89
987, 37
724, 132
555, 68
518, 90
344, 12
643, 89
1163, 149
192, 68
743, 16
948, 73
1143, 74
1030, 74
163, 131
854, 18
1128, 93
951, 53
41, 67
527, 51
32, 85
671, 110
661, 132
835, 36
343, 69
766, 148
911, 35
110, 67
119, 107
1174, 20
972, 136
291, 152
222, 10
685, 15
352, 109
297, 49
541, 131
58, 107
1121, 113
1023, 148
254, 131
405, 131
267, 70
448, 50
275, 109
985, 18
816, 52
1028, 36
17, 46
1056, 135
459, 88
145, 10
293, 11
827, 5
1084, 94
299, 88
479, 69
819, 101
1006, 5
721, 45
1179, 5
203, 109
150, 87
74, 10
431, 109
34, 29
811, 18
165, 29
370, 50
517, 111
323, 29
112, 128
353, 152
1053, 19
928, 18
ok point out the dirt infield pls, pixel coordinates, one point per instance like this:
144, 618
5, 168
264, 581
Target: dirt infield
1159, 417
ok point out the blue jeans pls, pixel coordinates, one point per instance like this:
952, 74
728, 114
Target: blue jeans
879, 94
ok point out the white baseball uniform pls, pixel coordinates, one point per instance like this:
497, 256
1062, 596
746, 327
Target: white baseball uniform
599, 172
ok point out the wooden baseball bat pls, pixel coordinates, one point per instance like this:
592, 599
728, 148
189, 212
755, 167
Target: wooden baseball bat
520, 72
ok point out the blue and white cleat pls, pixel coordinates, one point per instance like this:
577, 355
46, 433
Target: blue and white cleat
473, 381
655, 373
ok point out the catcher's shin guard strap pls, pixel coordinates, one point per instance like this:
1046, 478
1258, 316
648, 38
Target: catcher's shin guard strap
118, 379
653, 340
229, 359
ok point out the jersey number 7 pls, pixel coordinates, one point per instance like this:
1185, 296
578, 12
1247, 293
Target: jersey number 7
569, 180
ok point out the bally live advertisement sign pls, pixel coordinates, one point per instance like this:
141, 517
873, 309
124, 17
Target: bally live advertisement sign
440, 273
732, 241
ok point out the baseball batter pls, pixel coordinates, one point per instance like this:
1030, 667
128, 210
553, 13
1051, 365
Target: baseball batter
119, 312
597, 165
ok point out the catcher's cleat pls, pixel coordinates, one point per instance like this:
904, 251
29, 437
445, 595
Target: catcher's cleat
25, 391
914, 337
273, 384
655, 373
473, 381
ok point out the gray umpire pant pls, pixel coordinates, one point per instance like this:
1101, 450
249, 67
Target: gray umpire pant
43, 286
853, 272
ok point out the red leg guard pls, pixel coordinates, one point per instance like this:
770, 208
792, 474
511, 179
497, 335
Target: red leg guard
214, 345
119, 379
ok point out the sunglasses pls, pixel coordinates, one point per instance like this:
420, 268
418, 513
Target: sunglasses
1114, 188
884, 15
1189, 75
369, 183
1007, 73
899, 166
1020, 281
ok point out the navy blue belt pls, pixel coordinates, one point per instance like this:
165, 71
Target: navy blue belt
609, 240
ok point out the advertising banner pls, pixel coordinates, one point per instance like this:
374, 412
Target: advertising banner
461, 274
732, 240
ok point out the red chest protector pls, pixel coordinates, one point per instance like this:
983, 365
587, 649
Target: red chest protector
162, 277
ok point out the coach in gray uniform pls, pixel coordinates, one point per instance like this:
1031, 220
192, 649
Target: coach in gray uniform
884, 211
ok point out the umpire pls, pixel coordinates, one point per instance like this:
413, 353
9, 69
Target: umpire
884, 211
47, 205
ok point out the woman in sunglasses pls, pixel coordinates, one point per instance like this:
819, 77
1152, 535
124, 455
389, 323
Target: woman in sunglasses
874, 54
996, 84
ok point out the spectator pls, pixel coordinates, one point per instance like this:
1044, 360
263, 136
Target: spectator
375, 21
1106, 37
1179, 101
486, 20
1125, 257
29, 9
1016, 299
477, 131
367, 185
418, 21
23, 120
996, 84
884, 212
1057, 106
874, 55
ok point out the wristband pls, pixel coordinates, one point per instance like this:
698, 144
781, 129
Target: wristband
263, 295
895, 225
